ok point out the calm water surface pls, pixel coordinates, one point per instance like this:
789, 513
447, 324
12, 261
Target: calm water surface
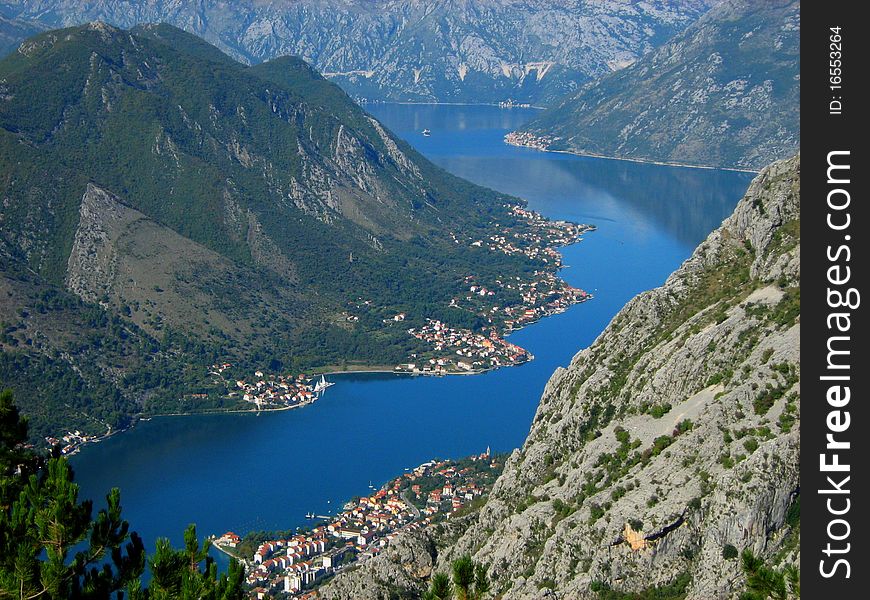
247, 472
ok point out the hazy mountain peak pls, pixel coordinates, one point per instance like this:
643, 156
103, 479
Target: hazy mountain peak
451, 50
725, 92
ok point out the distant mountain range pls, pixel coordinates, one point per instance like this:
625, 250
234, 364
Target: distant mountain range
412, 50
165, 206
725, 92
13, 31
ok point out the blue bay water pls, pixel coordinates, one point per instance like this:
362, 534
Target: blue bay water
245, 472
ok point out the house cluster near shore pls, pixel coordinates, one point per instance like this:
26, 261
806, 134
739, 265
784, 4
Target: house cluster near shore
539, 239
510, 103
529, 140
507, 303
277, 391
266, 391
546, 295
462, 350
291, 566
514, 301
71, 442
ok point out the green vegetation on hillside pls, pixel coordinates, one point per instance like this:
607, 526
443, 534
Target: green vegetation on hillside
676, 590
764, 582
203, 211
469, 582
52, 547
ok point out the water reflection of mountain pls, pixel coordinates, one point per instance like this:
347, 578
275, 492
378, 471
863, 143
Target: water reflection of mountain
686, 203
467, 141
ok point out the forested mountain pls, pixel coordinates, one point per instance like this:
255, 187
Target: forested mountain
725, 92
663, 452
413, 50
165, 206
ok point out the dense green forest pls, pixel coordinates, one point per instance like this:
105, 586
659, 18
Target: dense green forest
166, 207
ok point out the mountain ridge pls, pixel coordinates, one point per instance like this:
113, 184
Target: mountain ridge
723, 93
446, 51
223, 212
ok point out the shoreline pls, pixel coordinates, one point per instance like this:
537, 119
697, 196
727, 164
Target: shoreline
222, 549
98, 439
643, 161
232, 411
380, 369
358, 370
408, 102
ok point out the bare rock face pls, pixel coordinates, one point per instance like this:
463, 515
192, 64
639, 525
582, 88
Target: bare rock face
724, 92
680, 420
404, 565
670, 440
450, 50
121, 258
93, 260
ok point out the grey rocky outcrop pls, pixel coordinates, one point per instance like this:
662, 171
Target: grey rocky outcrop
404, 565
674, 436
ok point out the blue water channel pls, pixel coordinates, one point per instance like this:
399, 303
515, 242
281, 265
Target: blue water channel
245, 472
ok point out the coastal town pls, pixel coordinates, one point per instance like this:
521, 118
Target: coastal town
72, 441
272, 391
534, 236
291, 566
506, 303
501, 304
461, 350
529, 140
511, 103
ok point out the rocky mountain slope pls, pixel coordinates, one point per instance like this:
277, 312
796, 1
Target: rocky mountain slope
664, 449
725, 92
449, 50
220, 211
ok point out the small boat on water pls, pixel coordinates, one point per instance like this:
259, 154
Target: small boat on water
427, 133
322, 384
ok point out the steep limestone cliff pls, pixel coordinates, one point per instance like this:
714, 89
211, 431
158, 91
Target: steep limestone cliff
670, 440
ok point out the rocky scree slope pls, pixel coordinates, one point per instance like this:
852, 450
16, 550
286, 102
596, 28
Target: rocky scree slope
412, 50
670, 440
725, 92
